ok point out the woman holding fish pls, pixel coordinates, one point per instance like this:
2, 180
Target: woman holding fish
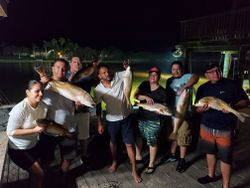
217, 125
149, 123
23, 132
178, 89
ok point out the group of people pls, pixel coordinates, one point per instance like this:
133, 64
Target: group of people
29, 147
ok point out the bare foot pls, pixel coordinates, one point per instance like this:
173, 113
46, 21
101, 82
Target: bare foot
113, 167
136, 177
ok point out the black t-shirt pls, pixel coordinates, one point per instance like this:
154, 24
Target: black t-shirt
226, 90
158, 95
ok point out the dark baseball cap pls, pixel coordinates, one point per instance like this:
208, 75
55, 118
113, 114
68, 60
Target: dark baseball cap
212, 65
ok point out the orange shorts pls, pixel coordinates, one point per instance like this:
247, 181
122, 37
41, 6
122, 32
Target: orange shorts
213, 141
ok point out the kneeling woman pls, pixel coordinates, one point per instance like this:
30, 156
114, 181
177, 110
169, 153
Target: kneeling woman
23, 132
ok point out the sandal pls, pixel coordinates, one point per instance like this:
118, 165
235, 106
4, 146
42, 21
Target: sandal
150, 170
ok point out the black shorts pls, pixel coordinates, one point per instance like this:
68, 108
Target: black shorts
67, 147
25, 158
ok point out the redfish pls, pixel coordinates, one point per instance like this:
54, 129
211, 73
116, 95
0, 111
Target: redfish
220, 105
156, 107
53, 129
178, 118
127, 85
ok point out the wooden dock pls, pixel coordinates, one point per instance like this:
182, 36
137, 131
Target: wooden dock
165, 175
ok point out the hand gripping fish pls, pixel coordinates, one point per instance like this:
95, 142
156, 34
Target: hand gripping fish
220, 105
156, 107
127, 85
85, 72
71, 92
181, 108
68, 90
53, 129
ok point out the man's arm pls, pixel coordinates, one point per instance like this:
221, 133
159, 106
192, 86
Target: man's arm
241, 104
193, 80
100, 126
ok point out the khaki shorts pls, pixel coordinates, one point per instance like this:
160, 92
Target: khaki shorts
184, 136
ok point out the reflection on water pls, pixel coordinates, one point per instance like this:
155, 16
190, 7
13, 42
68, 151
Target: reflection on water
15, 75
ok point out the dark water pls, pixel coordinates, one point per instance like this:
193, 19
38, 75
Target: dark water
15, 75
13, 79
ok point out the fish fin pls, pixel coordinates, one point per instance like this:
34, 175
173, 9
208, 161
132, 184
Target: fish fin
244, 114
241, 118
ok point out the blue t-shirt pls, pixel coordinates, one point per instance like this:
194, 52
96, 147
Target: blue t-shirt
173, 86
226, 90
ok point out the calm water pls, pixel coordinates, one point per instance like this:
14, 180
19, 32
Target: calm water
15, 75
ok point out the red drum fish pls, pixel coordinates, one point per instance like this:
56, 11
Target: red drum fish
220, 105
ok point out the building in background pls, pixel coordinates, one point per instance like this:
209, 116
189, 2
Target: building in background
223, 37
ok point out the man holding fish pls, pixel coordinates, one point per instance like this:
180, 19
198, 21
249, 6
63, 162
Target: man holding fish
179, 92
118, 121
82, 77
61, 111
217, 123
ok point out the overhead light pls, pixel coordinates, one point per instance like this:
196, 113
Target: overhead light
177, 51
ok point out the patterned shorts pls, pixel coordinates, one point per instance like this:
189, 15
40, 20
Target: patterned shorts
150, 130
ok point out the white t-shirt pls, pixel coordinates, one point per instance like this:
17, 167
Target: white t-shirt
60, 109
24, 116
114, 98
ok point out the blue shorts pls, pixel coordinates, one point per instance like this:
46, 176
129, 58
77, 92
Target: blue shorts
213, 141
123, 128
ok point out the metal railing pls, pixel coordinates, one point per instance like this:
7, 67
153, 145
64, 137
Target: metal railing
228, 26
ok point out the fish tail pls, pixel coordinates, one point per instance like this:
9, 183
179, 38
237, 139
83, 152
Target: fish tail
244, 114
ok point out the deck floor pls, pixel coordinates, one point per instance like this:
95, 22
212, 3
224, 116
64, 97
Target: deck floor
165, 175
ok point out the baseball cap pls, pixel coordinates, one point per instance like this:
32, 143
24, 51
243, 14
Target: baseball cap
154, 69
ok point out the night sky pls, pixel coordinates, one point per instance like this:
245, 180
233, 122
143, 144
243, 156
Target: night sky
128, 25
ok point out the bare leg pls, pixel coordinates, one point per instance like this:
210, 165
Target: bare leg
36, 175
113, 149
152, 155
226, 173
65, 166
183, 151
211, 162
138, 148
173, 147
131, 155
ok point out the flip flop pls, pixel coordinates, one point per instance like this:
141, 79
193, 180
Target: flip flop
150, 170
